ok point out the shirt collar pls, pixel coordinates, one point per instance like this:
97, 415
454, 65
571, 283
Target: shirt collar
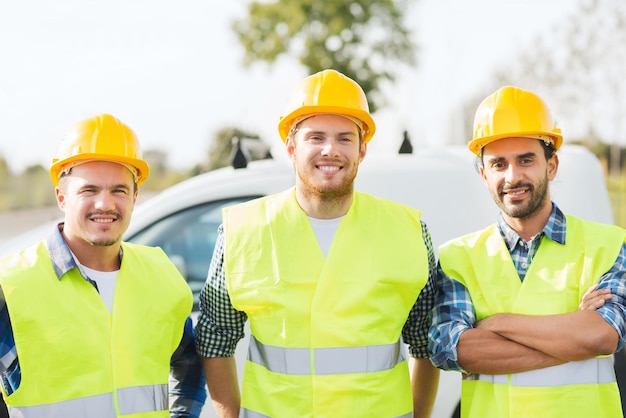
553, 230
60, 254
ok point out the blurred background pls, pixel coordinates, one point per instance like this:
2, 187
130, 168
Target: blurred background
194, 77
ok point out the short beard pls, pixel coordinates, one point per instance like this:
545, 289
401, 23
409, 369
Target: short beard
103, 243
537, 201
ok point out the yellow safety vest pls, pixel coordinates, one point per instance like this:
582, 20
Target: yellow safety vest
555, 283
78, 360
326, 333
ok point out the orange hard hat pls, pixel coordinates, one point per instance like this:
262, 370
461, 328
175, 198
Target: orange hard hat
513, 112
327, 92
100, 138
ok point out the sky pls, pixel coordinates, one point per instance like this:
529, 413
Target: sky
173, 71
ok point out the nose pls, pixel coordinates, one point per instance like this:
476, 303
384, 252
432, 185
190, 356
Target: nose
329, 148
513, 174
105, 201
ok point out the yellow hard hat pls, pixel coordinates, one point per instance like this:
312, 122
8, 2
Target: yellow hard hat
99, 138
327, 92
513, 112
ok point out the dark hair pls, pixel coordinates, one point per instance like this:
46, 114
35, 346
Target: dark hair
548, 152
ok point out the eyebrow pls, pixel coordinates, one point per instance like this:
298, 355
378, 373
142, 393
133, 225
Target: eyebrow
517, 157
338, 133
112, 187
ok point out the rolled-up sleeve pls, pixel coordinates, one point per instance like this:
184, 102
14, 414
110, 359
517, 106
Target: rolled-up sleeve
220, 326
452, 315
415, 330
614, 310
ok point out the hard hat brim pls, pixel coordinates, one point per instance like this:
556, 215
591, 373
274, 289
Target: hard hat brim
476, 145
57, 167
287, 121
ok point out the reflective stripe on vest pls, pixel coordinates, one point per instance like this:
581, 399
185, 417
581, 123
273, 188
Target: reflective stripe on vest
143, 399
97, 406
130, 400
592, 371
327, 361
246, 413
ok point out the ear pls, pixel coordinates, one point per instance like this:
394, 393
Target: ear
481, 170
291, 148
60, 197
553, 165
363, 151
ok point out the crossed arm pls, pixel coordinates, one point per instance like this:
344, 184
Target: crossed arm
511, 343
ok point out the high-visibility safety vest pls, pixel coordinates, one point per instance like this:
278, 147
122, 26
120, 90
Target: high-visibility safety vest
326, 332
555, 283
78, 360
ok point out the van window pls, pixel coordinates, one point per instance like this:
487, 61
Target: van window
188, 238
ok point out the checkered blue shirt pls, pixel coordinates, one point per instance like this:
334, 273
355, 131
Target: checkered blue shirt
454, 312
221, 326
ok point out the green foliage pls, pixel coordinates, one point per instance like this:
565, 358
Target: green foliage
578, 67
32, 188
366, 40
616, 185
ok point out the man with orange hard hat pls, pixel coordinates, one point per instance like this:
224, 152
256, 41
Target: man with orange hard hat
92, 326
330, 291
531, 308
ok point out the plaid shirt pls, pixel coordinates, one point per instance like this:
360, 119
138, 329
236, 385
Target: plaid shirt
454, 312
221, 326
187, 384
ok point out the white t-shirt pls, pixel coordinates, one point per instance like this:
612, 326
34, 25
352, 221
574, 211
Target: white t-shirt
325, 231
105, 280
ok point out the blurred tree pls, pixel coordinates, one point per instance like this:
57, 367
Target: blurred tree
5, 184
366, 40
578, 67
224, 147
32, 188
161, 176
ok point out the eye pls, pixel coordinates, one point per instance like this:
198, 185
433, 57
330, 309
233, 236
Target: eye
121, 191
88, 190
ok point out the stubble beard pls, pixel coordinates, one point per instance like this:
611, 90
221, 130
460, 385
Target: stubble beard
535, 204
328, 194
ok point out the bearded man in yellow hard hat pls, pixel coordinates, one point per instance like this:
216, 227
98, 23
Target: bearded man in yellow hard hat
310, 268
509, 313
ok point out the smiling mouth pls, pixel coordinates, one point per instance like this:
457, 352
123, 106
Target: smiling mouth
103, 220
328, 168
515, 194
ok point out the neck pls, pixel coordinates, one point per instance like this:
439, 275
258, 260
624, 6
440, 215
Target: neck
530, 226
101, 258
324, 207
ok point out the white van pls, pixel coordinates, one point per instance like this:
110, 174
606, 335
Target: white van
441, 182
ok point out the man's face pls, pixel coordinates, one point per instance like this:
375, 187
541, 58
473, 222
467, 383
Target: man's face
516, 173
98, 198
326, 152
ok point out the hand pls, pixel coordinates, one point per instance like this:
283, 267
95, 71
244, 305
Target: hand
594, 298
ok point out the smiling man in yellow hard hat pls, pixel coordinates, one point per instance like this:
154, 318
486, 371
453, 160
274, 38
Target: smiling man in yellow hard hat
509, 313
330, 290
96, 326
